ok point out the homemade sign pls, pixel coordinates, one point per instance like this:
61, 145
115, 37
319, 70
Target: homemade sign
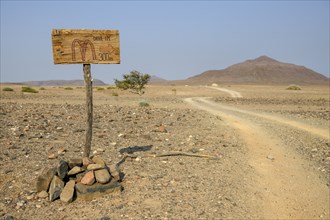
85, 46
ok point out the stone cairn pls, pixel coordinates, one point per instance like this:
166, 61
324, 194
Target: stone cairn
78, 178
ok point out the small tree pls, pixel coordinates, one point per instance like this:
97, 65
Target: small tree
135, 82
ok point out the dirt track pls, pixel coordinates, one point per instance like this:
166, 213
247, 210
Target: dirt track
286, 188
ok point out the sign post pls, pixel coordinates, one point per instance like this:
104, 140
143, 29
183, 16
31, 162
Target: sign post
86, 47
89, 108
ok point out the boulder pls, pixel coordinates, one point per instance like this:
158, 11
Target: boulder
68, 192
88, 179
75, 162
86, 161
115, 173
62, 169
96, 190
75, 170
55, 189
98, 160
95, 166
44, 180
43, 194
102, 176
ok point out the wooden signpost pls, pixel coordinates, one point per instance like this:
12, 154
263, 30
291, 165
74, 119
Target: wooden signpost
86, 47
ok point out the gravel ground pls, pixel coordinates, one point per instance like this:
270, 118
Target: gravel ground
172, 187
32, 126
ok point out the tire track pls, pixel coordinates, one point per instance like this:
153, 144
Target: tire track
232, 93
285, 188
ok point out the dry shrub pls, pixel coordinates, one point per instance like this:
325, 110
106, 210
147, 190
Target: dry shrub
28, 89
293, 87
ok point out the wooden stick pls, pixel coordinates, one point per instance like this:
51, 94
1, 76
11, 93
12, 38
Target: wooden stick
169, 154
117, 166
89, 108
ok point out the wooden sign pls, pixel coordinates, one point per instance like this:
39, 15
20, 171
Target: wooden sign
85, 46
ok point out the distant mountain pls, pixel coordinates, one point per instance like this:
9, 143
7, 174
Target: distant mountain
96, 82
262, 70
156, 80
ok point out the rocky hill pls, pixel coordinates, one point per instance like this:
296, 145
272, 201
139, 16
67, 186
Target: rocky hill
262, 70
157, 80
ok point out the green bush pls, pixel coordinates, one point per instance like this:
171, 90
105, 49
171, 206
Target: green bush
293, 87
42, 88
111, 87
7, 89
99, 88
144, 103
114, 94
68, 88
135, 82
29, 89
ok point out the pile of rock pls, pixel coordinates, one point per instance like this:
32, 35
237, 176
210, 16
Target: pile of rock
82, 178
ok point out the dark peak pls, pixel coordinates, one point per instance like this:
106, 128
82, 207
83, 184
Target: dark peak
264, 59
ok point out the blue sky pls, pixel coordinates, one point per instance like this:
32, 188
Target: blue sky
170, 39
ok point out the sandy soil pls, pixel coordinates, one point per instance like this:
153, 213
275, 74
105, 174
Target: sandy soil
273, 146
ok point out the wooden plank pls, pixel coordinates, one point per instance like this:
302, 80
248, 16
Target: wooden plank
85, 46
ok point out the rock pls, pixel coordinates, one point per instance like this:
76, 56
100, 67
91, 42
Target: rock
162, 129
55, 189
314, 150
98, 160
62, 169
44, 180
75, 162
270, 157
75, 170
91, 192
29, 197
68, 192
102, 176
88, 179
20, 204
105, 218
95, 166
100, 135
121, 135
86, 161
9, 217
52, 156
43, 194
61, 151
79, 177
114, 173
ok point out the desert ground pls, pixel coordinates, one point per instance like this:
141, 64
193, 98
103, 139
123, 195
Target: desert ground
272, 147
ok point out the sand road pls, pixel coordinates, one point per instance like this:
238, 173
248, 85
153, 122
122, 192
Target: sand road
285, 186
232, 93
